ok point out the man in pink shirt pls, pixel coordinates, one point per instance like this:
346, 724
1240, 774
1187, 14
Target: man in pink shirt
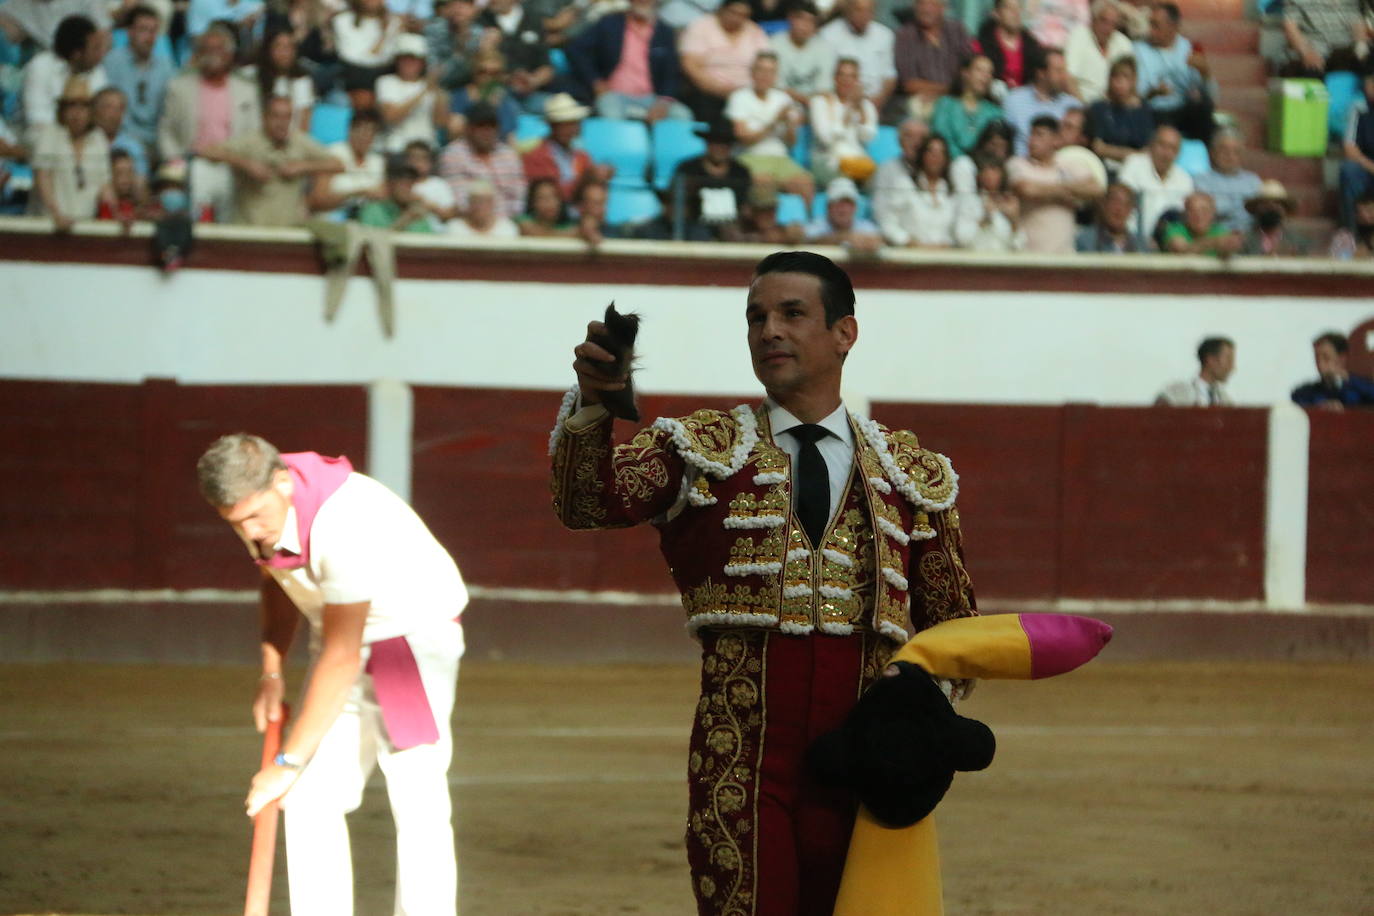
628, 63
717, 52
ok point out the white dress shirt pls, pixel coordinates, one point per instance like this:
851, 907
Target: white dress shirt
837, 449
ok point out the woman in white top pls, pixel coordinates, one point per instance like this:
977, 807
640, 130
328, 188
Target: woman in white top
920, 211
278, 72
843, 123
365, 40
988, 219
71, 162
413, 106
1092, 49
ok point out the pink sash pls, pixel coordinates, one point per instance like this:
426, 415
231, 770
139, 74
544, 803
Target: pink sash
315, 477
401, 694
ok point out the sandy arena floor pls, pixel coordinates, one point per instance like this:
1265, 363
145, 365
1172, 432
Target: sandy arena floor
1224, 790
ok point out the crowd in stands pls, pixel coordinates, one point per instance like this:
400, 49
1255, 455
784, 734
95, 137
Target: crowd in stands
1053, 127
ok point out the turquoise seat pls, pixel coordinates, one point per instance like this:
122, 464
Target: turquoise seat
674, 142
1193, 158
631, 206
801, 147
791, 209
530, 127
623, 144
329, 122
885, 145
1343, 88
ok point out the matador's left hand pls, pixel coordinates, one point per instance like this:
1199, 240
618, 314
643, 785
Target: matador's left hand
270, 784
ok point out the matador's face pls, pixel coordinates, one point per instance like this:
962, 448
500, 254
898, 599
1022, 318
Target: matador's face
261, 518
791, 348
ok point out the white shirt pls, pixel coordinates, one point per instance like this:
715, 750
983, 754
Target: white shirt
1088, 65
365, 43
808, 69
434, 190
503, 228
838, 132
907, 213
873, 50
419, 124
45, 76
366, 544
1156, 194
1195, 392
758, 113
356, 176
837, 449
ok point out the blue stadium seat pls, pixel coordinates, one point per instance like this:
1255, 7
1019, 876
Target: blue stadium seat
631, 206
791, 209
559, 59
329, 122
624, 144
674, 142
530, 127
801, 147
885, 145
1193, 158
1343, 88
773, 26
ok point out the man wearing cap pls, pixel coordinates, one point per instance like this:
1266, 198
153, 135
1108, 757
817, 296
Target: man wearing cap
556, 156
480, 154
710, 192
628, 62
841, 224
1270, 206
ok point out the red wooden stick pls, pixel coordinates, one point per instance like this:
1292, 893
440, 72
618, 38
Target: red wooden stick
259, 895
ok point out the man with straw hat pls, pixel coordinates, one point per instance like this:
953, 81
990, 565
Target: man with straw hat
558, 157
1269, 236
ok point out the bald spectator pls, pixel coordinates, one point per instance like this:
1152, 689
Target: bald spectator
1173, 78
1230, 185
77, 48
1008, 44
929, 51
1217, 359
1093, 48
37, 20
271, 166
717, 53
1324, 35
1114, 230
1047, 95
480, 155
854, 35
1050, 192
1156, 178
141, 75
1335, 388
805, 61
1198, 232
484, 216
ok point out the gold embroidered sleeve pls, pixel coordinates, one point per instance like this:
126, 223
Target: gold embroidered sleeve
940, 585
597, 484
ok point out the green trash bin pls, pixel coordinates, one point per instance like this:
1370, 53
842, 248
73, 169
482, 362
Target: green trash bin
1297, 117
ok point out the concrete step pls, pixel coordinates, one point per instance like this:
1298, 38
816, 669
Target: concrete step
1312, 201
1292, 171
1251, 127
1223, 36
1316, 230
1246, 101
1238, 70
1211, 9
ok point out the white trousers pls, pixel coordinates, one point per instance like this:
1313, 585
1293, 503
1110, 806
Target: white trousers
212, 185
318, 858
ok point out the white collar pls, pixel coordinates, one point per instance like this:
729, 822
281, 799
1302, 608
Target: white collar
290, 539
780, 420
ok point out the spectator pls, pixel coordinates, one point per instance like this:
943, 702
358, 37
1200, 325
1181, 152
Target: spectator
994, 142
1356, 243
71, 161
1199, 232
1231, 186
1217, 357
1009, 45
1092, 49
1335, 388
239, 16
842, 224
311, 27
919, 211
412, 106
710, 192
989, 218
628, 62
1114, 231
805, 62
204, 108
77, 48
856, 36
107, 111
717, 53
843, 123
453, 38
362, 173
1175, 80
563, 20
557, 157
485, 216
10, 151
1357, 171
429, 187
681, 13
400, 208
1072, 130
896, 172
526, 51
546, 213
962, 115
1269, 236
591, 205
1154, 175
1050, 192
37, 21
141, 75
760, 221
278, 72
766, 120
1121, 123
126, 197
928, 52
1046, 95
365, 37
1052, 21
480, 154
269, 164
1324, 35
488, 87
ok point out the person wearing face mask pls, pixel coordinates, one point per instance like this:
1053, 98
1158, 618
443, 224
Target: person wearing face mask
1335, 389
172, 239
1269, 236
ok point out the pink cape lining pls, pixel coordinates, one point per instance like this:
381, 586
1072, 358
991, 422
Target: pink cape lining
314, 477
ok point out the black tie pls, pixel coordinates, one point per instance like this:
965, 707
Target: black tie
813, 482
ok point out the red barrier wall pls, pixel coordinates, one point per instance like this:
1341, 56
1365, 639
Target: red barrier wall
1340, 508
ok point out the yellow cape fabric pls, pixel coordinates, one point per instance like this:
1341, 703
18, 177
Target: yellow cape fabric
994, 646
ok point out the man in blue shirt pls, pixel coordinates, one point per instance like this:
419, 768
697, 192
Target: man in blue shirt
1230, 185
141, 75
1337, 389
1047, 93
1175, 80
